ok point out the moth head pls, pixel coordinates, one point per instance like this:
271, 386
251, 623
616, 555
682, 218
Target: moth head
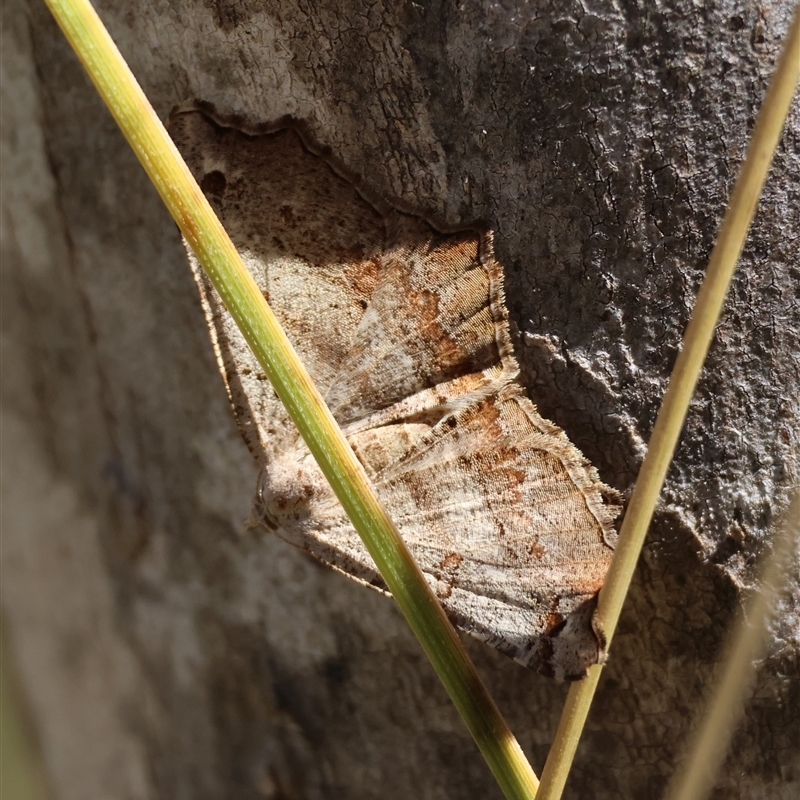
289, 487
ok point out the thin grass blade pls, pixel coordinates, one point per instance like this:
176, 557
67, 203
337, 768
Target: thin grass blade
672, 413
737, 670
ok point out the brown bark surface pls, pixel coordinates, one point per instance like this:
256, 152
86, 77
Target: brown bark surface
164, 650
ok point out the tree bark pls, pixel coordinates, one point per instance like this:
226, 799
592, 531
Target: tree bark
164, 649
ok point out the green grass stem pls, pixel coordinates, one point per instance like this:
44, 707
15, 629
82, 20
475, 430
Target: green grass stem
215, 251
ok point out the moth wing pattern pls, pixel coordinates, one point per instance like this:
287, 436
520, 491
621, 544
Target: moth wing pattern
435, 329
299, 225
403, 326
507, 521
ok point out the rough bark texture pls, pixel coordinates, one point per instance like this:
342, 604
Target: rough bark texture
166, 652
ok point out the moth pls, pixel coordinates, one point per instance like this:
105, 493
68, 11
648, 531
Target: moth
403, 326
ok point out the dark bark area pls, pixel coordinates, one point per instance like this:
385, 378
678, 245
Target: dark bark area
167, 652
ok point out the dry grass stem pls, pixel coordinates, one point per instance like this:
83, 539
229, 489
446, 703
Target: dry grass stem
672, 413
737, 670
